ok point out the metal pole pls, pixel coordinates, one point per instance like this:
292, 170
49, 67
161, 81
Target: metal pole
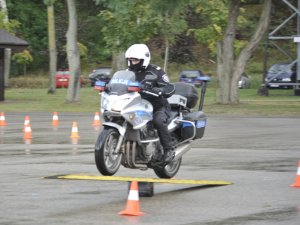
266, 58
298, 44
2, 74
203, 90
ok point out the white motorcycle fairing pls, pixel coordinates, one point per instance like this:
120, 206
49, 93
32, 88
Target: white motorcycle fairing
137, 111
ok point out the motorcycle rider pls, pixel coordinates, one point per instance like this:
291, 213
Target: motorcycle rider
138, 58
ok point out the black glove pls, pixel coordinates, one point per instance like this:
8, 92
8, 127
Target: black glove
157, 90
144, 87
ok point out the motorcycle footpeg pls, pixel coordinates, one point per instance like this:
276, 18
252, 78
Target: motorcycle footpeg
157, 164
169, 157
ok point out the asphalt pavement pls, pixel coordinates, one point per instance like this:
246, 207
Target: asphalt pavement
259, 155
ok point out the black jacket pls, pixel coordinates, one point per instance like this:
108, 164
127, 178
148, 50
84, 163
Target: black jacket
162, 82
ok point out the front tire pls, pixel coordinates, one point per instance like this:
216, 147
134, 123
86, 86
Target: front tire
168, 171
107, 160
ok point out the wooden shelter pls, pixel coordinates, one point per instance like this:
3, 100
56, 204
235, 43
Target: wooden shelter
8, 40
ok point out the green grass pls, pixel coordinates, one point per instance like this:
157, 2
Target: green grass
278, 103
37, 100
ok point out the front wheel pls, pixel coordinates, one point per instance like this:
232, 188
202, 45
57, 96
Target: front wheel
107, 160
169, 170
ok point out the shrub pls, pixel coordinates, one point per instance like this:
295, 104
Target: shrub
29, 82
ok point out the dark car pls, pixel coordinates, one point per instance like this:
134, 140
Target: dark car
191, 77
280, 74
102, 74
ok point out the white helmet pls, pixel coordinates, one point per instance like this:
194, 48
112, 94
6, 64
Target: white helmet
139, 51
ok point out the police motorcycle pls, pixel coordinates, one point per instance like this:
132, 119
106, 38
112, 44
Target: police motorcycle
129, 138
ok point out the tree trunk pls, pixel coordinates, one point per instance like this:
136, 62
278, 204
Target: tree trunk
248, 50
229, 69
52, 48
226, 55
24, 70
166, 55
118, 61
73, 54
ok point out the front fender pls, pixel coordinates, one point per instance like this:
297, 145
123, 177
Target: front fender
121, 129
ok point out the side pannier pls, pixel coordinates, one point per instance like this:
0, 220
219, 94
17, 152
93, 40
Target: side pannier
199, 121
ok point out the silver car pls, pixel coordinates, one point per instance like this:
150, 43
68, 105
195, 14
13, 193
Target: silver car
244, 81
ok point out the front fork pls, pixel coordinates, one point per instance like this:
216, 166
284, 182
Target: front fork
121, 138
121, 130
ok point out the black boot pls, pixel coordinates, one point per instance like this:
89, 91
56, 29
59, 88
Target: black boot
169, 156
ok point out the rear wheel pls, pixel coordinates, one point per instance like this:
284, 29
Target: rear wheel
168, 171
107, 160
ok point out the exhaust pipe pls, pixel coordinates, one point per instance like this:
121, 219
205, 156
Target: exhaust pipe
182, 149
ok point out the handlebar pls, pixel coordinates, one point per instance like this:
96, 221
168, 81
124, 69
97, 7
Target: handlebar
150, 93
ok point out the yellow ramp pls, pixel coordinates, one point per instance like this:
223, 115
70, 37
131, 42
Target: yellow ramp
151, 180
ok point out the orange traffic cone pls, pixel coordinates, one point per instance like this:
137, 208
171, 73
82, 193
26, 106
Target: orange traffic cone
2, 120
297, 181
55, 121
74, 133
132, 206
26, 121
27, 131
97, 121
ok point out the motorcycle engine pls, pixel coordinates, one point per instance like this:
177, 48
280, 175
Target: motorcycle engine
147, 133
149, 150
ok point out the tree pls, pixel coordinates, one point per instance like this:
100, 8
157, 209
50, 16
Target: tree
126, 23
52, 45
230, 68
31, 14
139, 21
73, 54
171, 13
232, 55
23, 58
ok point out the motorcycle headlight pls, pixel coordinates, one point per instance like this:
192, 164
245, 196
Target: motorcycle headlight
130, 116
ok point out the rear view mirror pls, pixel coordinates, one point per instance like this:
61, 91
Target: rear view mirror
100, 86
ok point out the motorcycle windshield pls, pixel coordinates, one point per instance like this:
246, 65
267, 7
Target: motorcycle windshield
118, 84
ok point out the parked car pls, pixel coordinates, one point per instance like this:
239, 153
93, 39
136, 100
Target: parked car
102, 74
281, 73
191, 77
244, 81
62, 79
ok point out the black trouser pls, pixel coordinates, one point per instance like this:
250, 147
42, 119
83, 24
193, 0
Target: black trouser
160, 121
